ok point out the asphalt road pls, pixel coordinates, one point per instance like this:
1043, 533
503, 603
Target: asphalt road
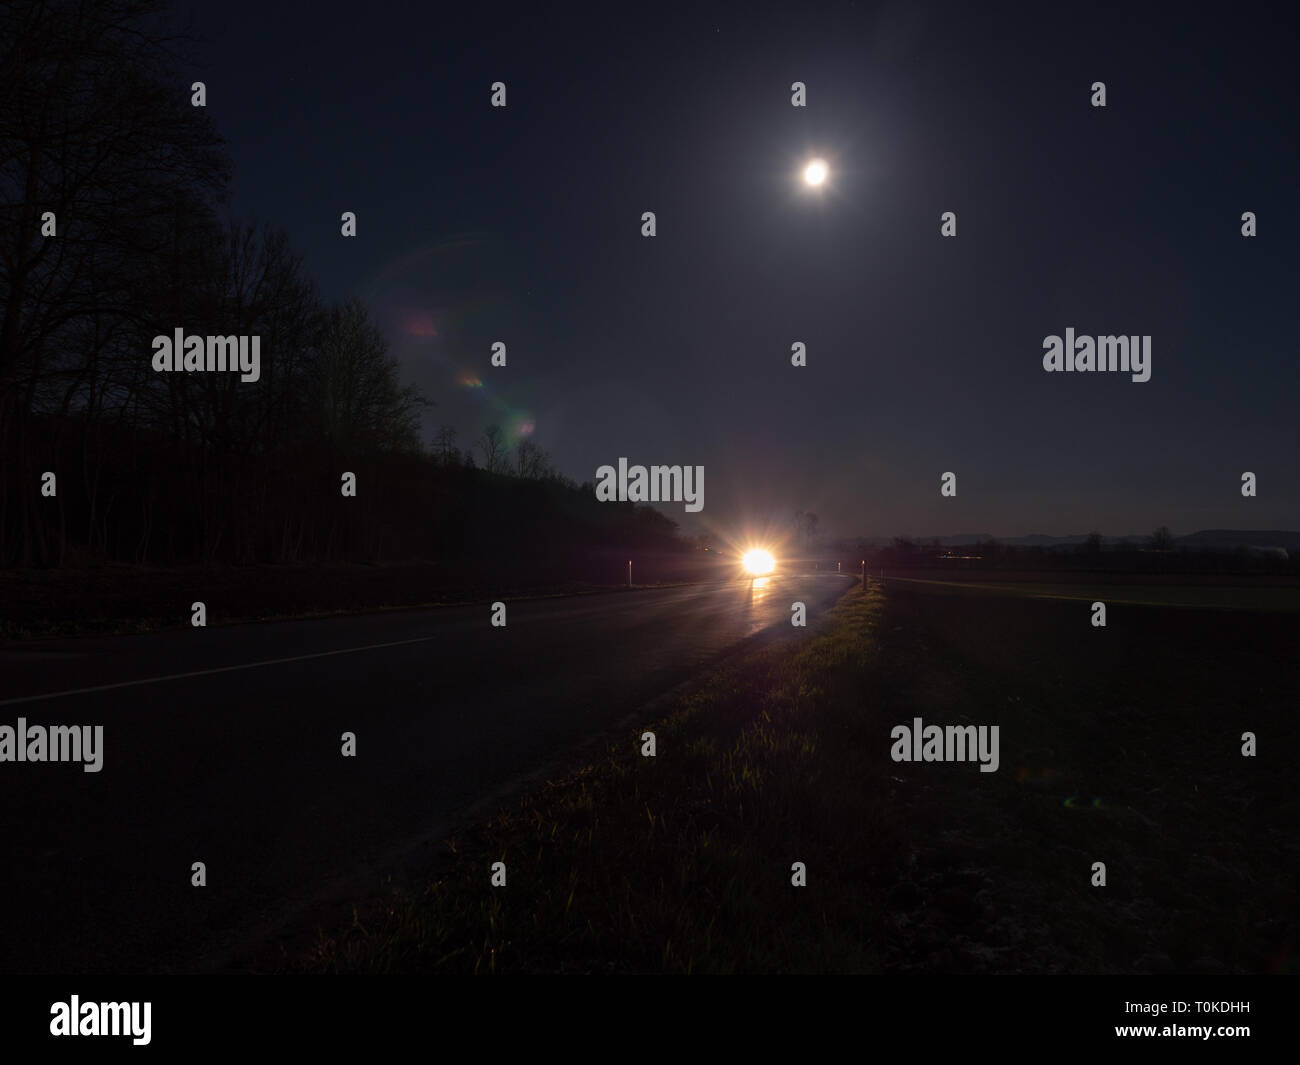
222, 745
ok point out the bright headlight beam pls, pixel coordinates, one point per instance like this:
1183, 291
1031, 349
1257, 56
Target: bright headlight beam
758, 562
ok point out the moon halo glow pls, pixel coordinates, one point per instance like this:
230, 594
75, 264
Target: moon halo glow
814, 173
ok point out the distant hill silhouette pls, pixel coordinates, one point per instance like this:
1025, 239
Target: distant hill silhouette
1205, 540
1232, 538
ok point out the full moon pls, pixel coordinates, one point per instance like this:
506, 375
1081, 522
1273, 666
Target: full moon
815, 173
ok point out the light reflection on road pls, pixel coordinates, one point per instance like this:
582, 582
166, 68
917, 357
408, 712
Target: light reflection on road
767, 599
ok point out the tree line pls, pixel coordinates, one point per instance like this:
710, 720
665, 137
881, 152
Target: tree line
113, 230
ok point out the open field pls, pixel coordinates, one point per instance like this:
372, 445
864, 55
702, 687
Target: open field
1120, 745
1268, 595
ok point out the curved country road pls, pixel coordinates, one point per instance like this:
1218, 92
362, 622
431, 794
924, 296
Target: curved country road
222, 745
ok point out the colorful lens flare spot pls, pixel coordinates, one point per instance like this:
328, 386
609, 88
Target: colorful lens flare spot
417, 323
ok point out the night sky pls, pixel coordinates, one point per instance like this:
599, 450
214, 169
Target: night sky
523, 225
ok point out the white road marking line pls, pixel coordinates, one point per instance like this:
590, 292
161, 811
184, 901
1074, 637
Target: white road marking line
209, 672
